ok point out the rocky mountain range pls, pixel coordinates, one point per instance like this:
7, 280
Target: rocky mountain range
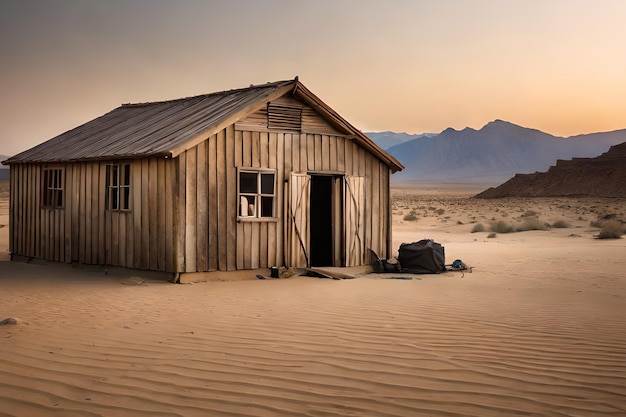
490, 155
602, 176
388, 139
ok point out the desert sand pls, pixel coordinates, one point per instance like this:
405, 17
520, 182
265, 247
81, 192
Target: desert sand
536, 329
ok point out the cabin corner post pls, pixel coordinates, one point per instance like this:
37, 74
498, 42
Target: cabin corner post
12, 211
389, 216
179, 216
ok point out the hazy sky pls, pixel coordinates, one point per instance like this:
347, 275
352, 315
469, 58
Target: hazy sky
413, 66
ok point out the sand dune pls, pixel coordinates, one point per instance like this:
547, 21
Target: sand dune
537, 329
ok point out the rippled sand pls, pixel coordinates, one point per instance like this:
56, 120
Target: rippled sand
537, 329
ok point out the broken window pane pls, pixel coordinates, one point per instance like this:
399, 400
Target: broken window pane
247, 206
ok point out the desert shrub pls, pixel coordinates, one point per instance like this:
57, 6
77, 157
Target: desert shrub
478, 227
596, 223
440, 211
411, 217
611, 229
531, 223
530, 213
602, 218
561, 224
502, 227
491, 235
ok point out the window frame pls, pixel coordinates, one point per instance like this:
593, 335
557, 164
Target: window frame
258, 195
120, 191
53, 187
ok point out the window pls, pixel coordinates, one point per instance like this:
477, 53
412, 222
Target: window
53, 187
256, 193
118, 187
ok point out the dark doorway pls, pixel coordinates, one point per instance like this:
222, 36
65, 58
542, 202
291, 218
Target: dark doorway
321, 220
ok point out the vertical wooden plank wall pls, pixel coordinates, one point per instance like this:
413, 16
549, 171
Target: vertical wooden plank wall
202, 204
228, 244
182, 215
215, 234
82, 230
231, 196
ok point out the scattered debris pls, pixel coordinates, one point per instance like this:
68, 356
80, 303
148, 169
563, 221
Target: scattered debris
402, 278
133, 281
9, 322
328, 273
285, 272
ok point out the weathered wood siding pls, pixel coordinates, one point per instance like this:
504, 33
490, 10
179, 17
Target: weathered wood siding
183, 211
214, 239
82, 230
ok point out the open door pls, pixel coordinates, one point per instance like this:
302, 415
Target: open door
354, 220
298, 218
326, 220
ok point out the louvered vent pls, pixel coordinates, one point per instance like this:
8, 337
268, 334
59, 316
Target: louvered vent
284, 117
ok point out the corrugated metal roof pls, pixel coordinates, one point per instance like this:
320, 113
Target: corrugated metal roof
164, 128
145, 129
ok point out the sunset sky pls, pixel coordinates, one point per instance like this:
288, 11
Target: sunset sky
406, 66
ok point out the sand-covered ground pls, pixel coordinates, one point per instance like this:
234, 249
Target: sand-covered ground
537, 329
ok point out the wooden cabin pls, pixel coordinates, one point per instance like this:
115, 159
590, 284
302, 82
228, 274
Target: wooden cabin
250, 178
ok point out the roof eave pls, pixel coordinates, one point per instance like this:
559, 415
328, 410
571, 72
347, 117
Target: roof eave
254, 105
160, 154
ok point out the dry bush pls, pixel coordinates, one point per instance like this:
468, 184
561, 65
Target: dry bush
602, 218
411, 217
611, 229
531, 223
478, 227
561, 224
502, 227
596, 223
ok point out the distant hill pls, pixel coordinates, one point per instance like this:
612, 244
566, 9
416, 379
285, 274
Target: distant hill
603, 176
4, 169
492, 154
388, 139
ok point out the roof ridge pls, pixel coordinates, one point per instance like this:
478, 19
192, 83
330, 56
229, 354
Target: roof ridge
202, 96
